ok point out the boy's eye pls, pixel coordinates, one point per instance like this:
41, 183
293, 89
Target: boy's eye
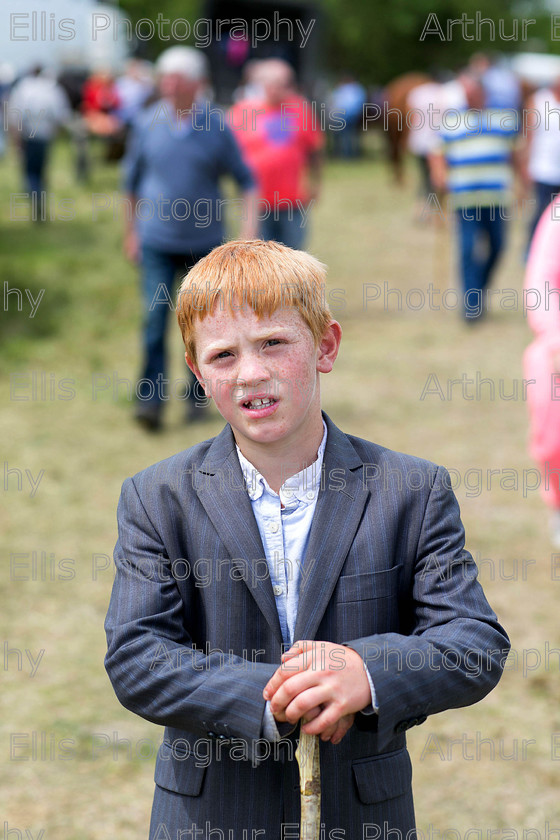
272, 342
223, 355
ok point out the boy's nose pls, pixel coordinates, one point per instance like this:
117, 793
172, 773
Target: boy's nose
252, 371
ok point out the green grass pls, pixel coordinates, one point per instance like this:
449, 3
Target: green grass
87, 326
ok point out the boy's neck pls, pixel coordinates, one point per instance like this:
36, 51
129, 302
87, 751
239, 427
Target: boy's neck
278, 461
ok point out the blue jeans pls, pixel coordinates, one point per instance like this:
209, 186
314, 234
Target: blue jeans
34, 164
544, 193
289, 231
346, 141
159, 272
481, 239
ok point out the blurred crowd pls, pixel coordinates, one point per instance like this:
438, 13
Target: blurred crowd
413, 113
487, 146
97, 105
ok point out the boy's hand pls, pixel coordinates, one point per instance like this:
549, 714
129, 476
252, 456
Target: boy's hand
319, 675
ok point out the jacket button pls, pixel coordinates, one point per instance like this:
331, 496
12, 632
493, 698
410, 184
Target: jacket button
211, 734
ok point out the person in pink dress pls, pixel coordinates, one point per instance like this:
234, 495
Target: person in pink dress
542, 358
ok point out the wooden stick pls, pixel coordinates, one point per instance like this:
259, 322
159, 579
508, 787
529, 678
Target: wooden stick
307, 756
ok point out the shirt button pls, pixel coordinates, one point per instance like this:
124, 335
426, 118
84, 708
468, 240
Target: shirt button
288, 493
273, 527
310, 495
278, 590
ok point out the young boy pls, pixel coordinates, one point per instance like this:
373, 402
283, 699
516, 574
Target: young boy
285, 534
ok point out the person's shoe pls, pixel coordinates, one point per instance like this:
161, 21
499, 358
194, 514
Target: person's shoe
148, 416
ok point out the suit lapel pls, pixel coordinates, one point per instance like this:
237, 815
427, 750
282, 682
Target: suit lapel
221, 490
340, 506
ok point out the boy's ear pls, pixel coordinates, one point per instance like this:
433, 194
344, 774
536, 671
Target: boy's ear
328, 347
192, 366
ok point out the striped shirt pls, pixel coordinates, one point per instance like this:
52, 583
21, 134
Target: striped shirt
478, 151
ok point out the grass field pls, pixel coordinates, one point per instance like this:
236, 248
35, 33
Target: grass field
69, 441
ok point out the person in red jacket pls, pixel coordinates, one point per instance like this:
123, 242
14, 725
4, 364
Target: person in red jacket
99, 104
282, 142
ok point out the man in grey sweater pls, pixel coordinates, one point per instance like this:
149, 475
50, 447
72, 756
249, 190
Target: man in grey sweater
179, 149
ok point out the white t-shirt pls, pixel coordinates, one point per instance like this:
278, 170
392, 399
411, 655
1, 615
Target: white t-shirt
544, 156
422, 137
40, 106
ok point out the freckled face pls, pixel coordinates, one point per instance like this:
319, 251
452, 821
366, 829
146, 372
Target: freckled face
263, 374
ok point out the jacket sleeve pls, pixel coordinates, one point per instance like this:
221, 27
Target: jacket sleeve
152, 663
233, 161
456, 650
133, 162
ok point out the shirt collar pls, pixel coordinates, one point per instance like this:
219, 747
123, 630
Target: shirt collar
299, 489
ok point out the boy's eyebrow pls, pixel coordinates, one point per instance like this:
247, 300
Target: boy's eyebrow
220, 345
273, 332
216, 347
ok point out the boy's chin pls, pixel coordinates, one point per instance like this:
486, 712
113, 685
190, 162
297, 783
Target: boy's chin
265, 434
259, 435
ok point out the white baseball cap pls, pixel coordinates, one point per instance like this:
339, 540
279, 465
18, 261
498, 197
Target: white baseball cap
187, 61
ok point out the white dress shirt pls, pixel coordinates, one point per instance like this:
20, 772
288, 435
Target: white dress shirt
284, 522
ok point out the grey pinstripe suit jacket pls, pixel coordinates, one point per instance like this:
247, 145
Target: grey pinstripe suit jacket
193, 635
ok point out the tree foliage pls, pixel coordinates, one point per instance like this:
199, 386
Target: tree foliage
379, 39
